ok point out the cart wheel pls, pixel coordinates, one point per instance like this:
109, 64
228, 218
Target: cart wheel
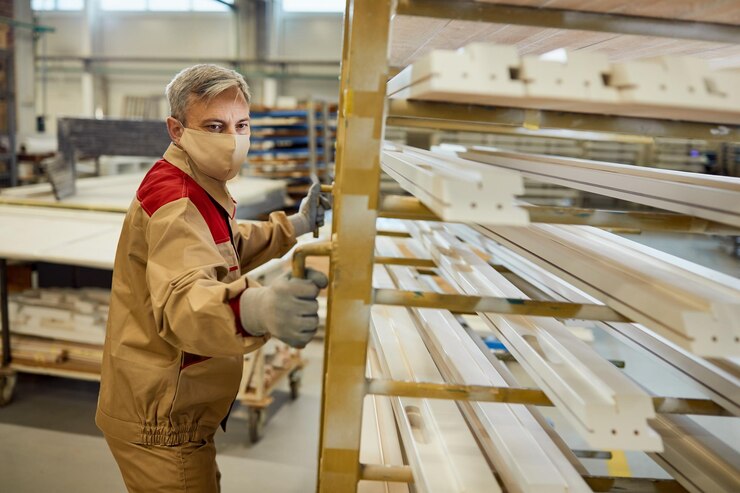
295, 383
256, 423
7, 388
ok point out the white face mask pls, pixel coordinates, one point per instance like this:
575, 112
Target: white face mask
219, 156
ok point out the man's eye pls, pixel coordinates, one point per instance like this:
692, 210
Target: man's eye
214, 127
243, 126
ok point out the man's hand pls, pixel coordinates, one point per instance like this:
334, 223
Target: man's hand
310, 215
287, 308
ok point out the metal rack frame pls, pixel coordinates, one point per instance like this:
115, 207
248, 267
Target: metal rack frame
357, 200
7, 96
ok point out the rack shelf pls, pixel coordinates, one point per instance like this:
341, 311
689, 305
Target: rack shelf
417, 27
487, 119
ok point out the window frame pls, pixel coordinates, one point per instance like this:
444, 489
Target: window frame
311, 12
56, 8
147, 8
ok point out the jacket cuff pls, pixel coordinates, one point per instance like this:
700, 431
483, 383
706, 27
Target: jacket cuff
234, 304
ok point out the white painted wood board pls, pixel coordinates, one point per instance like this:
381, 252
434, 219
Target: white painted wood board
690, 305
456, 189
670, 87
441, 450
118, 191
703, 375
521, 452
87, 239
607, 408
709, 197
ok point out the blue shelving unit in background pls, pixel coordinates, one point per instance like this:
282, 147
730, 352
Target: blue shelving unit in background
293, 144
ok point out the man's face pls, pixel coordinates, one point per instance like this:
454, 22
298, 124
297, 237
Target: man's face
227, 113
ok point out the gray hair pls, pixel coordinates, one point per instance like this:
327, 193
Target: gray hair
204, 81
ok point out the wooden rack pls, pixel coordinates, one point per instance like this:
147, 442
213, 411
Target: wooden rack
419, 26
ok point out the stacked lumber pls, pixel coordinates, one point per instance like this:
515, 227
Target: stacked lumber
692, 306
671, 87
440, 182
55, 353
676, 154
525, 458
709, 197
380, 443
64, 314
441, 450
605, 407
697, 458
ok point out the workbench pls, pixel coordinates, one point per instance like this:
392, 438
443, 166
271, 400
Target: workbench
254, 196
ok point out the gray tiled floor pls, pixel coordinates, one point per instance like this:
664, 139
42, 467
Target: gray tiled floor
49, 442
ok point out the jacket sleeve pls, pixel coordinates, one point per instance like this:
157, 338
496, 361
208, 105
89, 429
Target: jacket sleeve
258, 242
193, 310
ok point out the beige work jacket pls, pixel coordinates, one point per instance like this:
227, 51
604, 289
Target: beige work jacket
174, 343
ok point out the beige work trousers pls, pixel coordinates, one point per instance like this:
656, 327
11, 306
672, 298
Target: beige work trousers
190, 467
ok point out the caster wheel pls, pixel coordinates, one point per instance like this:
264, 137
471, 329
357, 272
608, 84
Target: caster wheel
295, 383
7, 388
256, 424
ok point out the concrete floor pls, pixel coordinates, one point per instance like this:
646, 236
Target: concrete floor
49, 442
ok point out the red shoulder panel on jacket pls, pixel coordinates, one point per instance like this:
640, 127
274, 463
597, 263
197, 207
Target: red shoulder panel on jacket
166, 183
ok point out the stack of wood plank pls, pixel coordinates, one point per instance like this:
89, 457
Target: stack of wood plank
40, 352
64, 314
603, 403
670, 87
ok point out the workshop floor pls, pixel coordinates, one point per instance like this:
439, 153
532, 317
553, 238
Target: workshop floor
49, 442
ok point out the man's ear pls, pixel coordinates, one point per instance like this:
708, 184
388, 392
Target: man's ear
175, 129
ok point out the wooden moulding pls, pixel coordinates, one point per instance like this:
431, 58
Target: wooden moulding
697, 459
457, 356
456, 189
698, 373
402, 207
713, 198
505, 119
605, 407
522, 454
381, 456
441, 450
676, 88
692, 306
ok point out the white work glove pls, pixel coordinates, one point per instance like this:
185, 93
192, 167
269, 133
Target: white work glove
310, 215
287, 308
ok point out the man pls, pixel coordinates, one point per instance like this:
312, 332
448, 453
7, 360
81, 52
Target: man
181, 314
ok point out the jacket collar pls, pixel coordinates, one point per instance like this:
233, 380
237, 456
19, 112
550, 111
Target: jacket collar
215, 188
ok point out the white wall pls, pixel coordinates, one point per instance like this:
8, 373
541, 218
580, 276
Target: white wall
204, 36
310, 36
174, 34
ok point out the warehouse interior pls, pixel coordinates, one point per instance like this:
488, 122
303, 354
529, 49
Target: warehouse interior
532, 248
